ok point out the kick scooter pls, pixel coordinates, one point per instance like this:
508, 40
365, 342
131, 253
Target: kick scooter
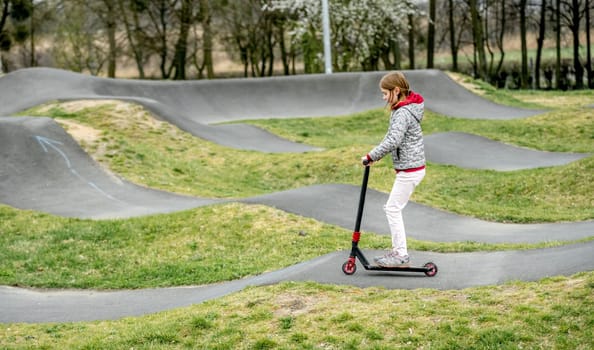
349, 267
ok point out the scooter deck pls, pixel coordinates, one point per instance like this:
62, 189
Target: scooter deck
397, 268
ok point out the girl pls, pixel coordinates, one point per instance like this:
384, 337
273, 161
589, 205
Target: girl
404, 140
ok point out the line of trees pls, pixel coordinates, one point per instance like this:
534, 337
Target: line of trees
181, 39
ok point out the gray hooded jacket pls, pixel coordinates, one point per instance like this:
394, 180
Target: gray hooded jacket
404, 138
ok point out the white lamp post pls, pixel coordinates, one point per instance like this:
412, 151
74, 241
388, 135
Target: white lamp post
326, 28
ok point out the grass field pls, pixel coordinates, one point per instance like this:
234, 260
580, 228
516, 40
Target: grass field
203, 245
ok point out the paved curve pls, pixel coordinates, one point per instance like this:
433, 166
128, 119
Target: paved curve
459, 270
194, 105
44, 169
477, 152
223, 100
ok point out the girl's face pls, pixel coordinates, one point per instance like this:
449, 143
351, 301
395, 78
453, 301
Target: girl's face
390, 96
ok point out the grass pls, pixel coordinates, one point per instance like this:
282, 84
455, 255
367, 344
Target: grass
555, 313
202, 245
192, 247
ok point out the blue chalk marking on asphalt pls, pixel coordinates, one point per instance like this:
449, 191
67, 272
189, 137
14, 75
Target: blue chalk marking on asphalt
101, 191
45, 142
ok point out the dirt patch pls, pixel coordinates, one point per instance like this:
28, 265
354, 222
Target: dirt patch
81, 133
463, 80
121, 112
294, 305
75, 106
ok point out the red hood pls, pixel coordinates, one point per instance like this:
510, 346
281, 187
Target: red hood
412, 97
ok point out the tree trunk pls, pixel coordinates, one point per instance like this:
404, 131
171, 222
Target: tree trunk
396, 53
207, 38
4, 14
502, 29
110, 22
539, 43
283, 47
163, 26
181, 47
411, 41
431, 34
558, 46
453, 46
477, 30
575, 31
490, 72
524, 65
393, 49
136, 50
270, 49
33, 58
588, 52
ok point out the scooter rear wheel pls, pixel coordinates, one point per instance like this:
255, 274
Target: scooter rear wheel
431, 269
349, 268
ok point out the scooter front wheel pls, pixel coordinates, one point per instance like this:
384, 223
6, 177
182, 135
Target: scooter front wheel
431, 269
349, 268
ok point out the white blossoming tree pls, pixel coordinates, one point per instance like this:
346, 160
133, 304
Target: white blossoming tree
364, 33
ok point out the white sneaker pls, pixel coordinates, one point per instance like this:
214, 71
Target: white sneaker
392, 260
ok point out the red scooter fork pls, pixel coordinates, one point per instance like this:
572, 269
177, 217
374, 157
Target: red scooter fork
354, 251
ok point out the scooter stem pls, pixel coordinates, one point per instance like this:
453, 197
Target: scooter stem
362, 199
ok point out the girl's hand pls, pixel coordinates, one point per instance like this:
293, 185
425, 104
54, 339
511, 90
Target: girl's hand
366, 161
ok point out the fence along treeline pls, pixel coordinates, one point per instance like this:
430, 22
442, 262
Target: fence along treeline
180, 37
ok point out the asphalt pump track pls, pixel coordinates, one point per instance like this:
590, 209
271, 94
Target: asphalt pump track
45, 169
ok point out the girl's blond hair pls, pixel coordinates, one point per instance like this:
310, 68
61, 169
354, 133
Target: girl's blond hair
394, 80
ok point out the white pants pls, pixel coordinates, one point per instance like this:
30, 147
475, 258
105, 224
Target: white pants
404, 185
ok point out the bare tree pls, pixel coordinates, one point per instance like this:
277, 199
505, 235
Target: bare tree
478, 40
558, 81
205, 18
13, 26
26, 29
431, 34
5, 36
246, 31
79, 33
574, 26
487, 34
588, 51
159, 14
524, 64
501, 23
411, 41
540, 42
186, 17
279, 22
571, 14
105, 10
456, 21
452, 31
131, 12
